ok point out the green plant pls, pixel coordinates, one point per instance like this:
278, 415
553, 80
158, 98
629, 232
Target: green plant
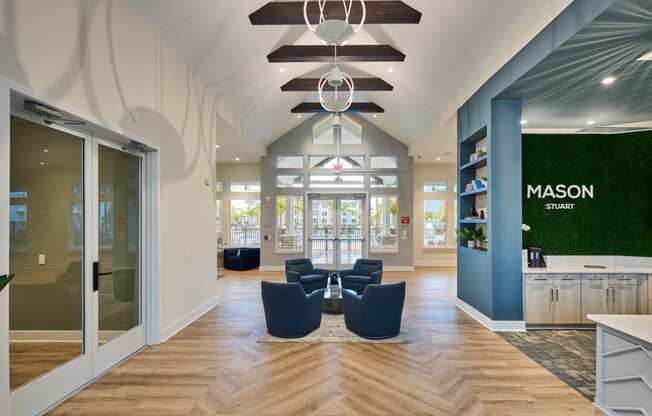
4, 280
479, 235
467, 234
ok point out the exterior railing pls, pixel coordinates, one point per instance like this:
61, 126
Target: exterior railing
434, 235
244, 236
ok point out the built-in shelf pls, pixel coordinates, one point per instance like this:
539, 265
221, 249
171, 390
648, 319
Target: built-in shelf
476, 164
474, 250
476, 192
475, 221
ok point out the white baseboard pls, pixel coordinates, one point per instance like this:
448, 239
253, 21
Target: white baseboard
495, 326
398, 268
435, 263
184, 321
272, 268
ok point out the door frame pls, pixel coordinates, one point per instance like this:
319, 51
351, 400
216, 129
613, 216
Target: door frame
151, 308
337, 195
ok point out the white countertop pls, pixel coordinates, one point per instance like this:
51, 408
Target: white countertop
587, 270
637, 326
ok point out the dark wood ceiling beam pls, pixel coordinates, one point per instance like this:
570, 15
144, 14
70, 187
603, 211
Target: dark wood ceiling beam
360, 84
378, 12
311, 108
349, 53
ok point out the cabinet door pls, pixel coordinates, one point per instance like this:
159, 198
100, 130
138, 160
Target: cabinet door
624, 299
595, 296
539, 305
568, 301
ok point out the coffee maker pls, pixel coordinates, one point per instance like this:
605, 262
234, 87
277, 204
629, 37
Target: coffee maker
535, 257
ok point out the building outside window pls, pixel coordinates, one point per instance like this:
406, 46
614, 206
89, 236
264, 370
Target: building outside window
218, 223
383, 224
384, 162
434, 227
289, 224
289, 162
289, 181
245, 186
384, 181
435, 186
245, 223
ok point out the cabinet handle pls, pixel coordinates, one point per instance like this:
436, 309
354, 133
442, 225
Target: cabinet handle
557, 295
552, 295
613, 294
607, 293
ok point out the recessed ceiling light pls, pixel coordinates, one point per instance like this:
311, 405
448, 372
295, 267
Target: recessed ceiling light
608, 81
438, 159
299, 116
590, 122
45, 150
282, 69
375, 115
42, 163
524, 122
237, 159
646, 57
391, 70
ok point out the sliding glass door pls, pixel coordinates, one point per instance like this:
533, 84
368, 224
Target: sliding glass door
75, 247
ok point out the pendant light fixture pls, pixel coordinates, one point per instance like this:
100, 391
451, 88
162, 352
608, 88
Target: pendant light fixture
335, 31
335, 99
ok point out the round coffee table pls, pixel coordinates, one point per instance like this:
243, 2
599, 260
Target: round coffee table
333, 303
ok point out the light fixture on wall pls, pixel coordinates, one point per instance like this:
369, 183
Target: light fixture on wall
335, 31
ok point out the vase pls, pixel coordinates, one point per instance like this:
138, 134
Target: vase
471, 244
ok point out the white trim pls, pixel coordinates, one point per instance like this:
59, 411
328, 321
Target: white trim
272, 268
398, 268
57, 336
171, 330
495, 326
435, 263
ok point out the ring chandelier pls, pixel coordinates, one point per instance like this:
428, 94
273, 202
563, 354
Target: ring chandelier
335, 31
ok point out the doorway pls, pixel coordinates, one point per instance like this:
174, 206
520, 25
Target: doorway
76, 249
338, 230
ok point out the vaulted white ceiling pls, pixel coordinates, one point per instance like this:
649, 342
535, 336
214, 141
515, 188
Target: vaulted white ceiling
456, 48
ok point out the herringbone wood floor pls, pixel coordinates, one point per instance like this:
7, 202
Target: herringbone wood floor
215, 367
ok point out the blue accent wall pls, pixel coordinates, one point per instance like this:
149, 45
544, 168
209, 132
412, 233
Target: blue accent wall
491, 282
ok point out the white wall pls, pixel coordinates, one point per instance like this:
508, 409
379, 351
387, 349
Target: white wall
434, 172
103, 61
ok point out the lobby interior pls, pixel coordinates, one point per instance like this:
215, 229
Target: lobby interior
164, 161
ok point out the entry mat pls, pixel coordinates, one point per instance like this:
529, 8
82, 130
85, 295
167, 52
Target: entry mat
567, 354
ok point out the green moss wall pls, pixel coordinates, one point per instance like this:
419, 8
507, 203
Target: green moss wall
618, 221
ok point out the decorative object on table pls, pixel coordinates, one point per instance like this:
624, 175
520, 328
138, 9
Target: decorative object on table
333, 330
535, 258
4, 280
483, 213
480, 152
468, 235
377, 313
241, 258
333, 303
364, 272
302, 271
289, 311
480, 238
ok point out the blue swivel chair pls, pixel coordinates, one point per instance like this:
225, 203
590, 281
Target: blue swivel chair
364, 272
376, 314
289, 312
302, 271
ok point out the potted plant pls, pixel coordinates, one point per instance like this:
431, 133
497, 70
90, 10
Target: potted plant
480, 238
468, 235
4, 280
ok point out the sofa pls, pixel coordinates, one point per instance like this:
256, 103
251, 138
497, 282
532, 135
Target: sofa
241, 258
377, 313
289, 311
365, 272
302, 271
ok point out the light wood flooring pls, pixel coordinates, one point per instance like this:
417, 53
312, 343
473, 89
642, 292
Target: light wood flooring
30, 360
216, 367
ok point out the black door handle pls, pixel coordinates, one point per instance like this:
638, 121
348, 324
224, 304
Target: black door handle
96, 276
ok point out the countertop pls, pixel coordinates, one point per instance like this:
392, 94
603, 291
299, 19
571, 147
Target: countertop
637, 326
585, 270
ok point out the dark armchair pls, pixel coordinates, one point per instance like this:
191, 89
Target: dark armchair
289, 312
241, 258
364, 272
302, 271
376, 314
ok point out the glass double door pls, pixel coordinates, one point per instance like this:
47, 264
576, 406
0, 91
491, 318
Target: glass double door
75, 248
337, 232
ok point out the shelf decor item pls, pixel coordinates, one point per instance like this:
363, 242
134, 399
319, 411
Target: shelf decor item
4, 280
468, 235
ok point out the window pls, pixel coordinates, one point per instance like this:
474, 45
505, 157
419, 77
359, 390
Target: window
329, 162
384, 162
384, 230
351, 131
337, 181
219, 186
384, 181
245, 223
434, 227
289, 162
435, 186
218, 222
289, 224
245, 186
289, 181
322, 132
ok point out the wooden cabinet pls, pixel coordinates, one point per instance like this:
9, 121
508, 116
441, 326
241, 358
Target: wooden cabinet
567, 299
